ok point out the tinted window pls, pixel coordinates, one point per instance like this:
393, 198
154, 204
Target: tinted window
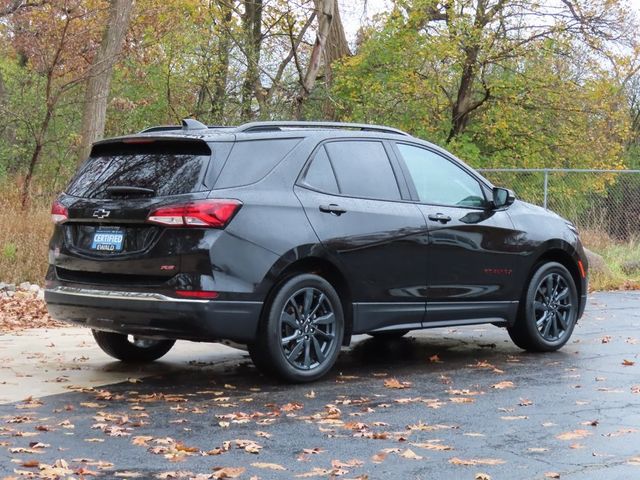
320, 174
166, 169
439, 180
363, 169
250, 161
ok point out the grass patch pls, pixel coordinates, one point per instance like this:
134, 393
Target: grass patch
622, 261
24, 240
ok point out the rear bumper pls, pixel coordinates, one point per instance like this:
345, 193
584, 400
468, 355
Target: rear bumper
155, 315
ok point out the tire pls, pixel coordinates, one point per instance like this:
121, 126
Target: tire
118, 346
301, 330
389, 334
545, 322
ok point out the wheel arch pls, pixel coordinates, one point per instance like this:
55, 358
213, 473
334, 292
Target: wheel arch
324, 268
564, 254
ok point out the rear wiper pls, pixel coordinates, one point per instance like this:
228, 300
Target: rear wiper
129, 189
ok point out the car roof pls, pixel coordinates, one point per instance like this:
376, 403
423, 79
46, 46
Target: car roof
194, 130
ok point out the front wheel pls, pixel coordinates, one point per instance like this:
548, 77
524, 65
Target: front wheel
131, 349
550, 310
301, 330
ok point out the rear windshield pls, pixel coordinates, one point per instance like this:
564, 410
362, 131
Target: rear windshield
167, 168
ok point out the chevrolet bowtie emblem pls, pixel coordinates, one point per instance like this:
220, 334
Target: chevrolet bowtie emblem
101, 213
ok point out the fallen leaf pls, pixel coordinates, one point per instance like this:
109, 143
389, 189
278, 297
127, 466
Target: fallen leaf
379, 457
395, 383
476, 461
433, 445
269, 466
408, 453
316, 472
575, 434
552, 475
227, 472
503, 385
628, 363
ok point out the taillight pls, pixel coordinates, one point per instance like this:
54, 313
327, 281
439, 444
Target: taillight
203, 213
59, 212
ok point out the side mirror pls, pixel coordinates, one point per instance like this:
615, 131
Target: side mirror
503, 197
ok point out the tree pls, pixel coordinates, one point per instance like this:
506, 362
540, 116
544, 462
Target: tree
53, 41
99, 74
498, 80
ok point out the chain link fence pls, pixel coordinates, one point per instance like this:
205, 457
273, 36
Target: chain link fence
606, 201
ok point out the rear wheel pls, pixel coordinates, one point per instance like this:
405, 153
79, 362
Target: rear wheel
550, 310
301, 330
389, 334
131, 349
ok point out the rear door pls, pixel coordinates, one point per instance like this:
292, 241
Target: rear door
470, 256
107, 237
356, 200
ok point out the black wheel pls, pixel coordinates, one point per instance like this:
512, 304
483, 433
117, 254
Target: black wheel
549, 310
301, 330
131, 349
389, 334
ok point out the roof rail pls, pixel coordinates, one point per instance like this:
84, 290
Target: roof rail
161, 128
187, 124
279, 125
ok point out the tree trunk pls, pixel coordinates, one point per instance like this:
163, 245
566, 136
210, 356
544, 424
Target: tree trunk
99, 79
252, 26
37, 151
325, 9
337, 45
222, 72
337, 48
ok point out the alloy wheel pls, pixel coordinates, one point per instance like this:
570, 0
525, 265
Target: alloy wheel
552, 307
307, 328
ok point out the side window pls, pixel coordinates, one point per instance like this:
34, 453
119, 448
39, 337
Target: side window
320, 173
250, 161
440, 181
362, 169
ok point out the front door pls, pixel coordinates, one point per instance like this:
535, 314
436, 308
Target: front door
354, 201
470, 259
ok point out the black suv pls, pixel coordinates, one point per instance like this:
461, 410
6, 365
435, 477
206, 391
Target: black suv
290, 237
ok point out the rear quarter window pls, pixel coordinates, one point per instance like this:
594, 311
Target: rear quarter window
250, 161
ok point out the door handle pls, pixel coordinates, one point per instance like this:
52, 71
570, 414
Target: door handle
333, 209
439, 217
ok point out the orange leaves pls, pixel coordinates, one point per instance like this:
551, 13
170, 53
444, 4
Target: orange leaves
476, 461
397, 384
432, 445
628, 363
228, 472
503, 385
268, 466
573, 435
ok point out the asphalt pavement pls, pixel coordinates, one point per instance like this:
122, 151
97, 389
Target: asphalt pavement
458, 403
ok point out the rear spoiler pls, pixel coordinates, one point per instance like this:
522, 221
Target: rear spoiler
145, 145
